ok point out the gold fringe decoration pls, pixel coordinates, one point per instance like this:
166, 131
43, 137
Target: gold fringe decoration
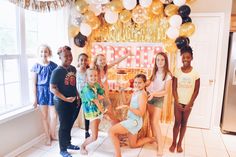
42, 6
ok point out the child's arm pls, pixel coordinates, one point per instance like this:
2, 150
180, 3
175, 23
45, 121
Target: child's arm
161, 93
118, 60
175, 94
99, 105
34, 80
195, 94
54, 90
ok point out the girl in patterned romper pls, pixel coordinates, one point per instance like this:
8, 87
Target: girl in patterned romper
91, 95
134, 121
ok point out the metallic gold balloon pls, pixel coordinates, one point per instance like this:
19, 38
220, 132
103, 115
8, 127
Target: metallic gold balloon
139, 14
125, 16
171, 9
190, 1
81, 6
150, 14
116, 6
89, 16
73, 31
187, 29
157, 7
170, 46
95, 23
166, 1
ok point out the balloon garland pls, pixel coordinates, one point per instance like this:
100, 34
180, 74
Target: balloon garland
96, 18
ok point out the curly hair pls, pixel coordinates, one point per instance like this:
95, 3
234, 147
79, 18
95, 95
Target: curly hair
63, 49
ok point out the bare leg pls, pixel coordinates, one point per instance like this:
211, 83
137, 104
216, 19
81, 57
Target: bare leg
114, 131
178, 119
183, 130
53, 122
45, 121
94, 129
134, 142
155, 115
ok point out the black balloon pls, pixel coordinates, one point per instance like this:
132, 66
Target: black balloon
181, 42
188, 40
184, 11
80, 40
186, 19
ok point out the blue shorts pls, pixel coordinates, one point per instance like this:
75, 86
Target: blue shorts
132, 125
44, 96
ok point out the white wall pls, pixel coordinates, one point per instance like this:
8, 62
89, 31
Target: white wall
18, 131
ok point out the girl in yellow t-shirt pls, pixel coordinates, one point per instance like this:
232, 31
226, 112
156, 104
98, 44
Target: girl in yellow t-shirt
186, 83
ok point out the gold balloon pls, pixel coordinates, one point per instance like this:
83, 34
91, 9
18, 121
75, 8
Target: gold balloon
125, 16
139, 14
170, 46
81, 6
73, 31
186, 29
89, 16
190, 1
157, 7
166, 1
116, 6
150, 14
95, 23
171, 9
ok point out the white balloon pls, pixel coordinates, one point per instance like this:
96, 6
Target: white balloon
166, 1
85, 29
97, 1
145, 3
97, 9
175, 21
111, 17
172, 32
129, 4
179, 2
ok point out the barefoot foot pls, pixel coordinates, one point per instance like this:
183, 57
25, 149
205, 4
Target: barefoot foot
83, 151
179, 149
172, 148
48, 141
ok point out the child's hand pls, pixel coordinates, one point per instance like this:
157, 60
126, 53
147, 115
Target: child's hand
188, 107
122, 107
70, 99
179, 107
100, 97
150, 97
35, 104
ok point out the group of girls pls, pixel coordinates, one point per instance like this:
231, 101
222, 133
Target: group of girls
87, 86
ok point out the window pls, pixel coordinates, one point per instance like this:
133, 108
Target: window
21, 32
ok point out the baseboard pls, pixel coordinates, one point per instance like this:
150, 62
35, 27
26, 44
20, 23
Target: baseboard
26, 146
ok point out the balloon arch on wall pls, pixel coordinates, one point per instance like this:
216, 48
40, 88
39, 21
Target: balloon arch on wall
165, 21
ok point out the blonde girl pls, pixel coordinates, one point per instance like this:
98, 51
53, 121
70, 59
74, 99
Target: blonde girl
93, 109
100, 64
41, 74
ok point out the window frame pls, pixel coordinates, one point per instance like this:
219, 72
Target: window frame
21, 58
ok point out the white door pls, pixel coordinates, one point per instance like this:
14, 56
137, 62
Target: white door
205, 47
